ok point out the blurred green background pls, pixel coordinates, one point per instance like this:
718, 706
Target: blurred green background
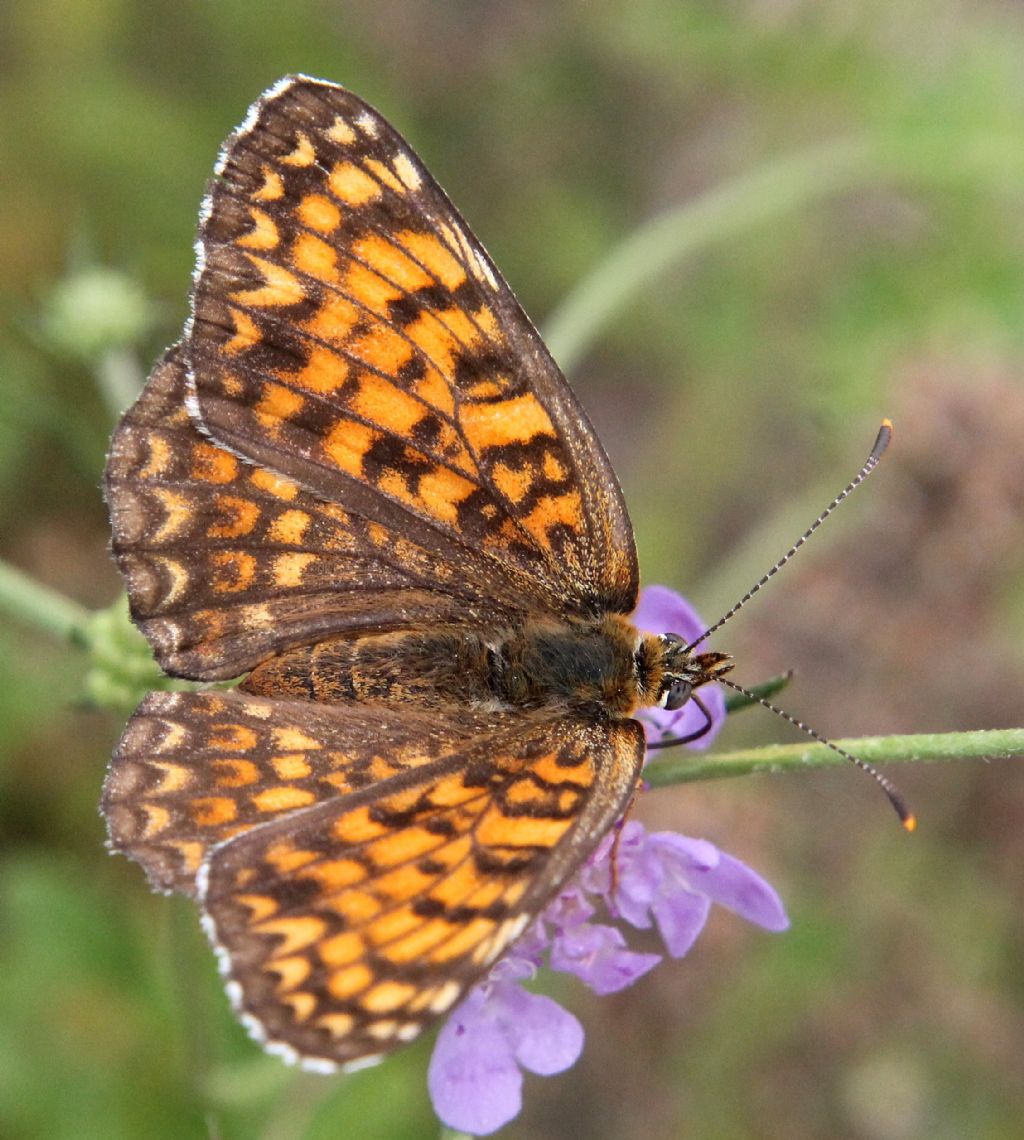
735, 393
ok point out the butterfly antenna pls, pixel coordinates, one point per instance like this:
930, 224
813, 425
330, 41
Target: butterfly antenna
907, 817
881, 443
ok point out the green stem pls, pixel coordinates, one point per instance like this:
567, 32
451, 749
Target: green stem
987, 744
27, 600
666, 240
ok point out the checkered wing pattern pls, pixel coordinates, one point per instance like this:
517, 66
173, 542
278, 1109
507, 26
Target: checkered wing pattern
227, 562
359, 870
351, 334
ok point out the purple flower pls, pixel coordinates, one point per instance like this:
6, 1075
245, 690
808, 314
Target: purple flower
644, 880
661, 879
475, 1076
661, 610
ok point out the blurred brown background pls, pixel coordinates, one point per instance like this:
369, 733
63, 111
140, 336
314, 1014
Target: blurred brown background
735, 394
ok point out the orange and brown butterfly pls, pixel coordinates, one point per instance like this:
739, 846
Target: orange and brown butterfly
361, 480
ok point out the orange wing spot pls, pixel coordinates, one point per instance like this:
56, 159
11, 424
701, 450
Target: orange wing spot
463, 940
315, 257
338, 1025
406, 170
370, 289
285, 858
348, 982
452, 790
260, 907
158, 459
212, 464
356, 907
433, 389
280, 287
551, 511
246, 333
352, 184
386, 997
289, 739
568, 800
457, 886
384, 349
403, 846
513, 484
282, 798
212, 811
237, 517
440, 492
324, 370
525, 792
554, 469
263, 234
415, 945
174, 777
319, 213
404, 882
292, 972
498, 830
277, 403
347, 444
191, 853
289, 568
488, 322
434, 257
385, 174
342, 949
341, 132
296, 931
295, 767
393, 924
334, 320
276, 485
238, 571
388, 260
304, 153
176, 513
289, 528
272, 188
550, 771
157, 820
380, 769
384, 403
232, 738
356, 826
234, 773
303, 1004
335, 875
517, 420
488, 389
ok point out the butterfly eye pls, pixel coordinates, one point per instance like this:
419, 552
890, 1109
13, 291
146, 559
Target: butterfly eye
677, 694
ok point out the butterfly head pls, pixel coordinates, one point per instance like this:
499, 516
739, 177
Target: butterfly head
682, 671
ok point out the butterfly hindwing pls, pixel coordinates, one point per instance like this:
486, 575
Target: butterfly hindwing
194, 769
349, 926
227, 562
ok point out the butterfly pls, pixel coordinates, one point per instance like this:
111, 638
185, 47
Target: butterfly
361, 482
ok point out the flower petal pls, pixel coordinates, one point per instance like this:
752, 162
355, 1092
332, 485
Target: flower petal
544, 1037
680, 916
598, 955
475, 1084
734, 885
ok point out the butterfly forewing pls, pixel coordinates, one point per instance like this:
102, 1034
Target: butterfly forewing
351, 333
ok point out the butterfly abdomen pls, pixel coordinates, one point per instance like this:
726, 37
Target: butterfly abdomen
541, 664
